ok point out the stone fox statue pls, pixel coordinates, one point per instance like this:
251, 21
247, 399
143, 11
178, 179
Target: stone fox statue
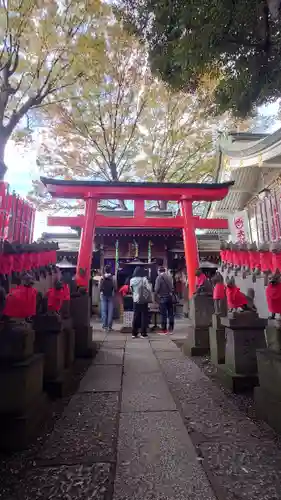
203, 285
219, 295
236, 300
251, 299
273, 295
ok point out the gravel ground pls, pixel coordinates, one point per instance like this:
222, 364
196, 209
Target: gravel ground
14, 466
244, 402
241, 455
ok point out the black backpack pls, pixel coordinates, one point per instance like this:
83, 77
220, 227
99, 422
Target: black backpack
107, 286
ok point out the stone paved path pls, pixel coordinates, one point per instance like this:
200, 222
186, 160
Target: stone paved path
147, 424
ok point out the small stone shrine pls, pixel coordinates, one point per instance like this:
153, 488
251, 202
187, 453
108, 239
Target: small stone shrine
217, 330
80, 310
244, 335
217, 340
268, 394
22, 401
49, 340
201, 310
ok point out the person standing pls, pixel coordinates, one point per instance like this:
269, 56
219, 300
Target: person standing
107, 288
141, 297
164, 292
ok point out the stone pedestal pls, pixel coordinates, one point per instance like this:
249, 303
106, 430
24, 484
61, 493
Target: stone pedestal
268, 394
22, 402
50, 340
201, 311
244, 335
69, 341
17, 341
217, 340
80, 309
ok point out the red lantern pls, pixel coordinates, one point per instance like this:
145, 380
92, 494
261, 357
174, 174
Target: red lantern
254, 259
276, 261
266, 261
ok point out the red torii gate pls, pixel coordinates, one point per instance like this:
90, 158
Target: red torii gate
93, 191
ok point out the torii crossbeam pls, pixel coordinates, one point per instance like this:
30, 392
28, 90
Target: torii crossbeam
93, 191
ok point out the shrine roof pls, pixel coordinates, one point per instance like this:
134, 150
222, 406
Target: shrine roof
130, 190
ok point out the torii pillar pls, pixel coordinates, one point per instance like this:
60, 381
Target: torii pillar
84, 261
190, 245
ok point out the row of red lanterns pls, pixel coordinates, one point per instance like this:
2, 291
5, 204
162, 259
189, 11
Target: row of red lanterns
265, 261
26, 261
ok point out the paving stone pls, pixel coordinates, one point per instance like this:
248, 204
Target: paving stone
146, 392
157, 461
164, 345
138, 343
102, 378
108, 356
169, 354
116, 337
99, 336
140, 361
250, 470
77, 482
114, 344
86, 432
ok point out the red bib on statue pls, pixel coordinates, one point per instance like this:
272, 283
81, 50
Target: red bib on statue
21, 302
55, 299
273, 297
219, 291
235, 298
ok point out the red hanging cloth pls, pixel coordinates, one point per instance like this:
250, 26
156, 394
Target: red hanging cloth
237, 258
273, 297
18, 262
230, 257
34, 260
7, 263
266, 261
27, 261
235, 298
276, 261
245, 258
254, 259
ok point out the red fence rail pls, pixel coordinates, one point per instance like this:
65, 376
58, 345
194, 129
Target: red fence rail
17, 216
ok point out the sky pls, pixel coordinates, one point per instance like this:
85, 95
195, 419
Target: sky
22, 170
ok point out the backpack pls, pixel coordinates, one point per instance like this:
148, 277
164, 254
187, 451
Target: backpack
107, 286
143, 293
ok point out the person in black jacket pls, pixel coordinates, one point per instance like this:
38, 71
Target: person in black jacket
107, 288
164, 292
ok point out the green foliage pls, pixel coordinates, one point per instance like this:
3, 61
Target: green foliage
42, 54
234, 43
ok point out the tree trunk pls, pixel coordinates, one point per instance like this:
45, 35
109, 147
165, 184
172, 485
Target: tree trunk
3, 142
